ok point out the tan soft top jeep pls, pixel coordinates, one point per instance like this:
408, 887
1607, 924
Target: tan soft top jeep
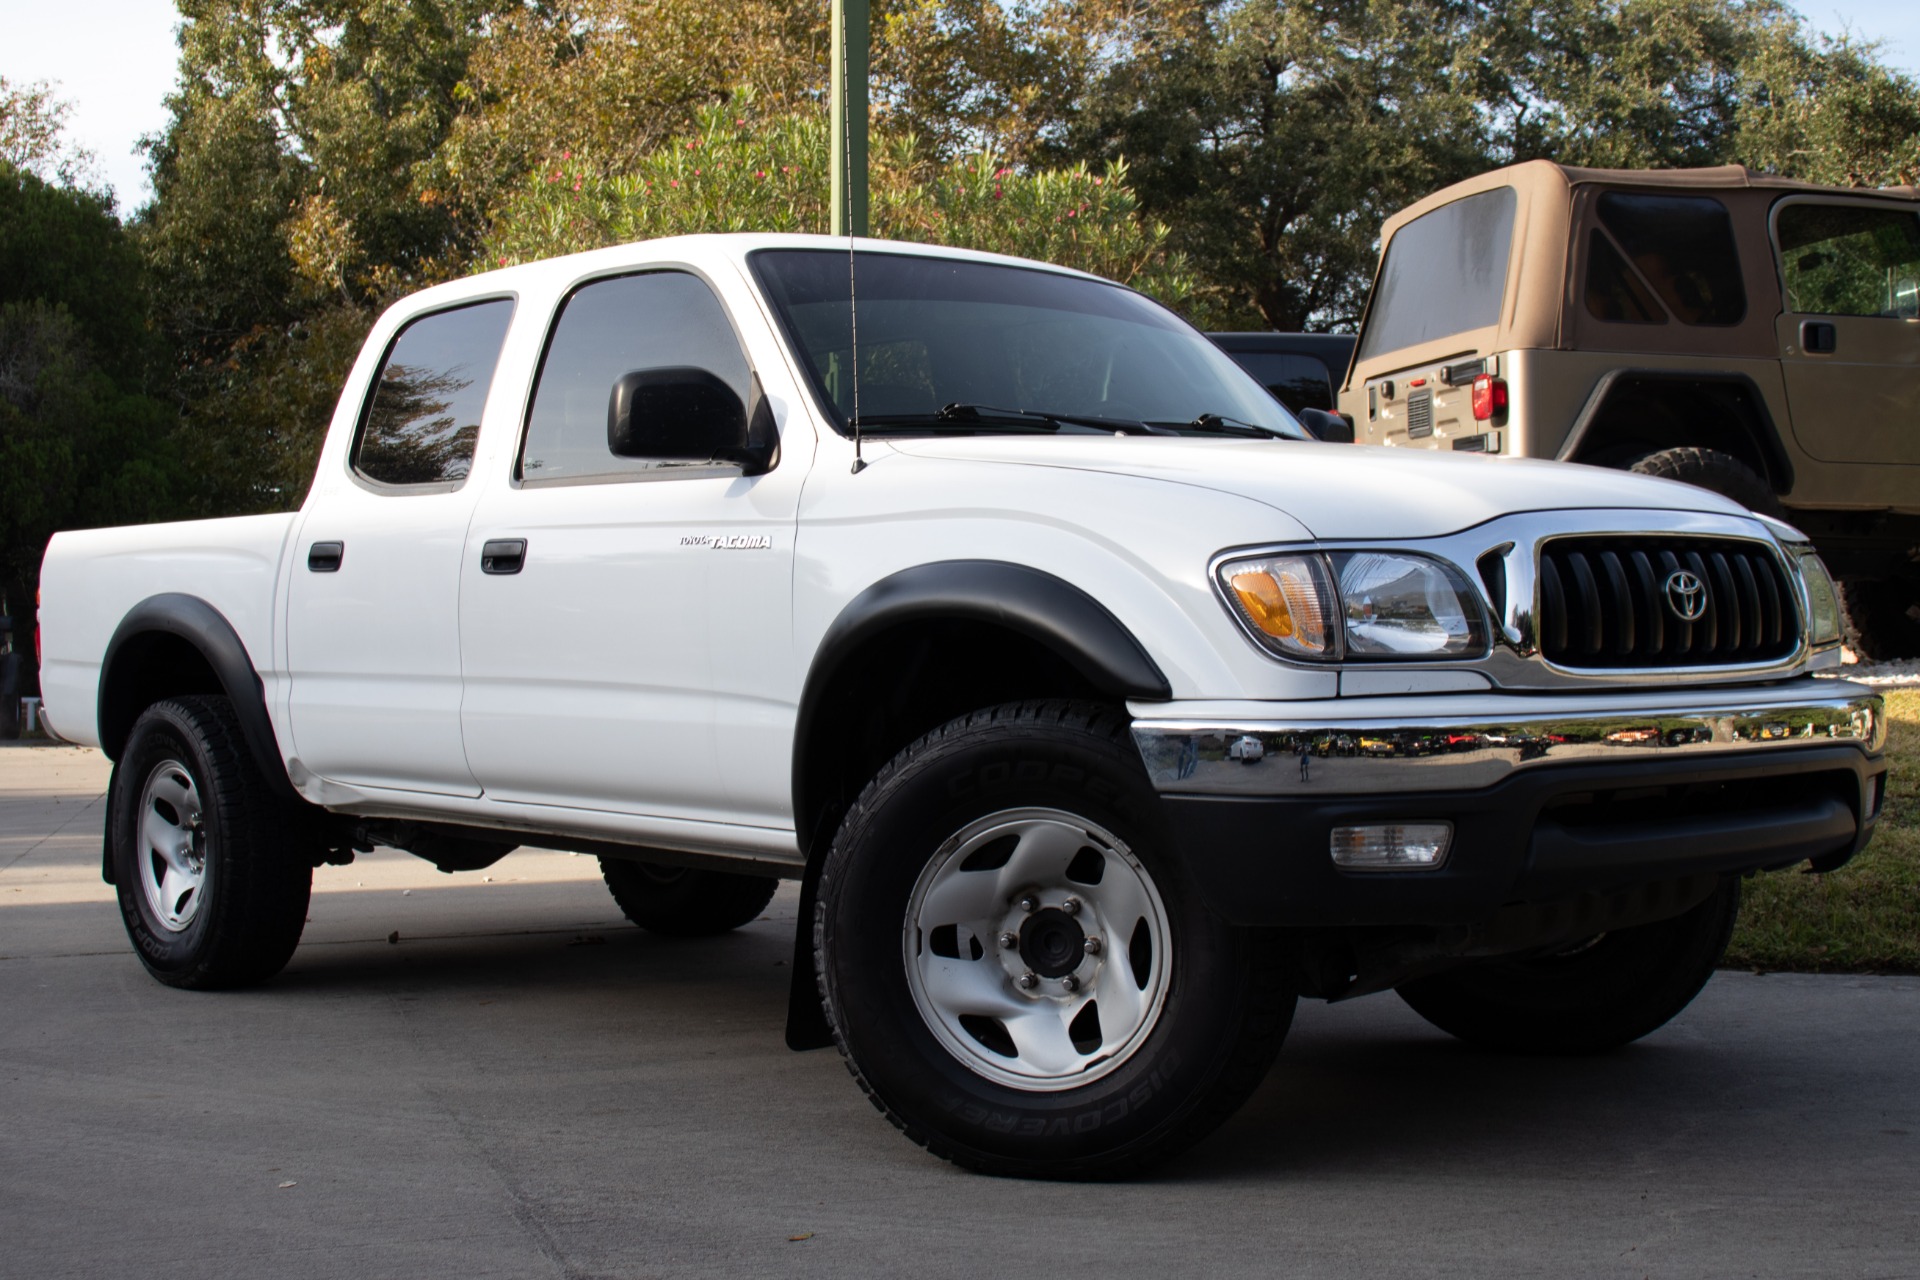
1754, 335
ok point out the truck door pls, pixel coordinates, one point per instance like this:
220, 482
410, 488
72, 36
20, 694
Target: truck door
1850, 336
373, 640
626, 624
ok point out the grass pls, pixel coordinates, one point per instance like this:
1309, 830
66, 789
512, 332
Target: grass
1865, 917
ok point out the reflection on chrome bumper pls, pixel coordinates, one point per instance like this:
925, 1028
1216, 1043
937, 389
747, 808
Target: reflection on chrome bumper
1367, 756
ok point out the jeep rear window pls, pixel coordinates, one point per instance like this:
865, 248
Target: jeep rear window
1850, 260
1682, 246
1445, 273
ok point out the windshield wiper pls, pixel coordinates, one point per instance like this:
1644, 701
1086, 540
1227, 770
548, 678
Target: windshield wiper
1220, 424
961, 414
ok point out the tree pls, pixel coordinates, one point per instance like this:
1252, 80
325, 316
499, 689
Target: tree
81, 441
1829, 112
32, 122
740, 169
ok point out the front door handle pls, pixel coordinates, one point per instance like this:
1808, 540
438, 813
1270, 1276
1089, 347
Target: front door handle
1818, 338
325, 557
503, 555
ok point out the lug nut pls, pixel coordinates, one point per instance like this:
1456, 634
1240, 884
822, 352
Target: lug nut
1028, 981
1070, 983
1091, 946
1009, 940
1071, 906
1029, 903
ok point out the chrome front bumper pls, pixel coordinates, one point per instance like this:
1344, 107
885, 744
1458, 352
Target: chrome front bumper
1331, 754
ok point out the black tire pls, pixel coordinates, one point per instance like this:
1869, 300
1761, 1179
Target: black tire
1882, 619
1715, 471
1224, 996
247, 854
1588, 999
684, 902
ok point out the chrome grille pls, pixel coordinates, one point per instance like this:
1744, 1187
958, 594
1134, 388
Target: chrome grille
1621, 603
1419, 415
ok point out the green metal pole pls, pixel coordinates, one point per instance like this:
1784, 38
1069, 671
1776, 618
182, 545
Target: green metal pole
849, 117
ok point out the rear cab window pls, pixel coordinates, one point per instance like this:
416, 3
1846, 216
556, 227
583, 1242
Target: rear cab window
1297, 381
421, 422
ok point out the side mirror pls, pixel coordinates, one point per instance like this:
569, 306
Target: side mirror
1334, 428
686, 414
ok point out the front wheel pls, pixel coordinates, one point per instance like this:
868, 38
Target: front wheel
211, 868
1014, 965
1598, 995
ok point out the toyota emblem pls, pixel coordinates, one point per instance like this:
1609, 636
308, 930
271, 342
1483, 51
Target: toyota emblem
1686, 595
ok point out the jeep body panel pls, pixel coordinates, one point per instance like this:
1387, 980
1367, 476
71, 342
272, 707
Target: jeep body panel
1826, 430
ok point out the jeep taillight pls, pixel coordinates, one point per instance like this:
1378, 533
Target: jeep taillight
1489, 397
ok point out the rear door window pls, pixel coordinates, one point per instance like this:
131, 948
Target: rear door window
423, 419
1850, 260
1445, 273
1681, 247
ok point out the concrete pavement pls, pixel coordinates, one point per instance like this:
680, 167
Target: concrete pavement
524, 1086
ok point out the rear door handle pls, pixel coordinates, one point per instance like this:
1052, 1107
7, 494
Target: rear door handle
503, 555
1818, 338
325, 557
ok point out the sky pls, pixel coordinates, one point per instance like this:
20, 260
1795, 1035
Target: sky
113, 60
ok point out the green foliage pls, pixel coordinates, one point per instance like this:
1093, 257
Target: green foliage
32, 121
1864, 917
742, 171
1828, 112
80, 441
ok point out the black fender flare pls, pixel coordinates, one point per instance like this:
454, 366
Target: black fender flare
1779, 467
208, 631
1028, 601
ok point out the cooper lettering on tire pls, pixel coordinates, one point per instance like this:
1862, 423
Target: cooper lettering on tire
1013, 964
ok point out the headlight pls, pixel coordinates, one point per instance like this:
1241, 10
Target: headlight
1823, 602
1380, 605
1401, 606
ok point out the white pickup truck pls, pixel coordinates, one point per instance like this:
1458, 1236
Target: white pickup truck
1099, 712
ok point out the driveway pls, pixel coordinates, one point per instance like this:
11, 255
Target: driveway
523, 1086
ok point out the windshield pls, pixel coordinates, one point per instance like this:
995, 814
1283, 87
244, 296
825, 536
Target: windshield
954, 346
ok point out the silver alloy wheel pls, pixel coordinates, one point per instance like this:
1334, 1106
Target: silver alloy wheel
172, 846
1037, 949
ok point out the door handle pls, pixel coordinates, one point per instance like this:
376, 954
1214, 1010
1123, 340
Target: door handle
325, 557
503, 555
1818, 338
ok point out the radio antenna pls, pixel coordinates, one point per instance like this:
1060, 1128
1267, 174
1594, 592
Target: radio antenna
846, 188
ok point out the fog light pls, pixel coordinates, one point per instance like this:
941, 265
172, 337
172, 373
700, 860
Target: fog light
1392, 846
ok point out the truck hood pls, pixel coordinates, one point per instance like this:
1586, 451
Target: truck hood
1341, 491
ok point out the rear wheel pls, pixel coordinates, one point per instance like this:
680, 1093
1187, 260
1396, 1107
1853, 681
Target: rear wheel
1014, 965
1710, 469
1598, 995
685, 902
212, 869
1882, 619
